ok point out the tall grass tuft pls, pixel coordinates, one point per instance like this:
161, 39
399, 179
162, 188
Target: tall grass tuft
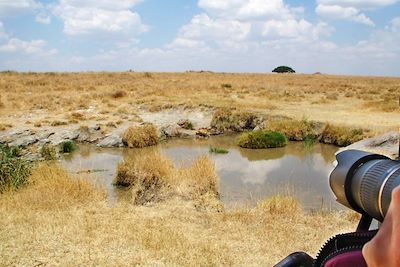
14, 170
140, 136
48, 152
280, 205
154, 178
262, 139
218, 150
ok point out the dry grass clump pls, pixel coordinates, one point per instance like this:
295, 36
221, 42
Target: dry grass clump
4, 126
225, 119
149, 175
296, 130
280, 205
153, 178
119, 94
340, 135
140, 136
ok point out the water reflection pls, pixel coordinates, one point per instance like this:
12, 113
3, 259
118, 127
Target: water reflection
245, 175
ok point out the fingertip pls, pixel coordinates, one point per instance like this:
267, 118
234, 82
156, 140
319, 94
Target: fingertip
396, 194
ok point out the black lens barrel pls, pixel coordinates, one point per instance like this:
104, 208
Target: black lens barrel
363, 181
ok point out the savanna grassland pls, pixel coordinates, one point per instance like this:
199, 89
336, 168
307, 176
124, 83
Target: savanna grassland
56, 220
173, 216
40, 99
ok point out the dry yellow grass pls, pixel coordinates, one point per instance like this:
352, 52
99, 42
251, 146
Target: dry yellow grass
370, 102
153, 178
140, 136
58, 221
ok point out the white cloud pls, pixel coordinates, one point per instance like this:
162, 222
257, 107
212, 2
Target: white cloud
94, 17
394, 25
361, 4
339, 12
242, 24
246, 9
11, 8
43, 18
350, 9
3, 33
27, 47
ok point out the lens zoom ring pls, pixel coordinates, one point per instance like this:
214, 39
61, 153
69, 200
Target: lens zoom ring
370, 186
393, 181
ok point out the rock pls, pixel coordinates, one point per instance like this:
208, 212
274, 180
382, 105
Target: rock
112, 140
170, 131
387, 144
203, 132
24, 141
63, 135
185, 124
44, 134
176, 131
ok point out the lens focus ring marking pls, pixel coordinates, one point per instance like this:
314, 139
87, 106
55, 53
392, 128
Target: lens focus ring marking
382, 187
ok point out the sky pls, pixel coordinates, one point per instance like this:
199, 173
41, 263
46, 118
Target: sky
351, 37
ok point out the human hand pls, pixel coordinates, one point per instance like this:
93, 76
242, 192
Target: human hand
384, 248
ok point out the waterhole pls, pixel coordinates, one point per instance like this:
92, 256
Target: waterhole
246, 175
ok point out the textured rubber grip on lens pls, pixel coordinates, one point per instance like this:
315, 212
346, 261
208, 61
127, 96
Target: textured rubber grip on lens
371, 184
393, 181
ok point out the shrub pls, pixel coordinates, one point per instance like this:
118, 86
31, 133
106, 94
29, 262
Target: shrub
140, 136
119, 94
283, 69
154, 178
225, 119
295, 130
262, 139
14, 170
218, 150
226, 85
341, 136
67, 146
48, 152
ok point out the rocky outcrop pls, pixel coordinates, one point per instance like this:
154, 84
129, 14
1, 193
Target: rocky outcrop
386, 144
112, 140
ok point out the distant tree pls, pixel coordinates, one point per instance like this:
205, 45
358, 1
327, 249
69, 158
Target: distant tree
283, 69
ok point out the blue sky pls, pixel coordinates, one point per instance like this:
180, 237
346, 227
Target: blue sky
354, 37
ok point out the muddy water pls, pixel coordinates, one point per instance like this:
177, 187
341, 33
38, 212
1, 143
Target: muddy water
246, 175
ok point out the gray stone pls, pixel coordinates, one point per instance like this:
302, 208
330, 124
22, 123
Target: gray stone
387, 144
112, 140
170, 131
63, 135
24, 141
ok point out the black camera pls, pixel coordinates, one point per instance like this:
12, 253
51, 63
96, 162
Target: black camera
363, 182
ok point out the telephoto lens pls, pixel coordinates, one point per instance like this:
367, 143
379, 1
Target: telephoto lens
364, 182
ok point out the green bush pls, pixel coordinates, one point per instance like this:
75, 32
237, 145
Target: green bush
14, 170
262, 139
68, 146
283, 69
